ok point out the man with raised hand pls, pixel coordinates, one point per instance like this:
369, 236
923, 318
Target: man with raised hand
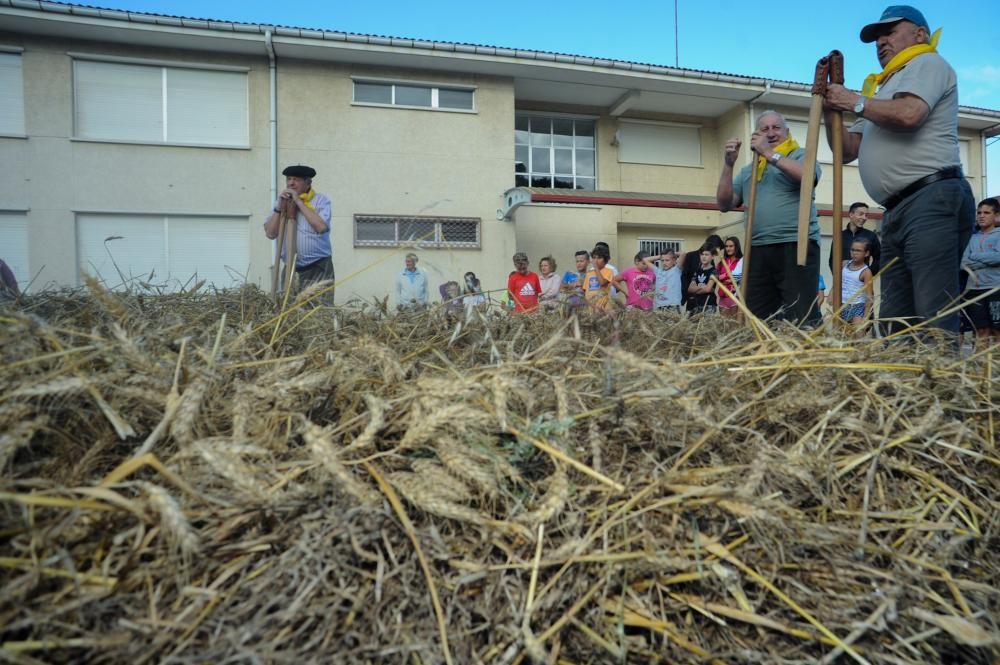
776, 285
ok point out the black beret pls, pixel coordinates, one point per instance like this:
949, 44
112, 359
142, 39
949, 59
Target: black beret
299, 171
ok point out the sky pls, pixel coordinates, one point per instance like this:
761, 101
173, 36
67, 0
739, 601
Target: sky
748, 38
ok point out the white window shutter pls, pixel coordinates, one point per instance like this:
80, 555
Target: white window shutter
651, 143
207, 107
116, 101
139, 252
11, 94
213, 249
14, 246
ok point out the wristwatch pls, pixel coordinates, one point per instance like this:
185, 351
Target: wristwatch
859, 107
775, 158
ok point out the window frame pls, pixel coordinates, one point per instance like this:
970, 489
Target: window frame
437, 243
22, 131
164, 66
552, 173
435, 88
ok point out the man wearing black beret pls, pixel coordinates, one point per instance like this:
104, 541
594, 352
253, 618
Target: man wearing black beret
313, 251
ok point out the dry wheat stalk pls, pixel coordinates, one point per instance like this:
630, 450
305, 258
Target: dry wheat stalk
466, 465
323, 453
176, 528
424, 496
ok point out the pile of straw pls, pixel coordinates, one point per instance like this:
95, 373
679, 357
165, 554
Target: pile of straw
209, 478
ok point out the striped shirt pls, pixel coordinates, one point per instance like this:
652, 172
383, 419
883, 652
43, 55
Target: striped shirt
309, 245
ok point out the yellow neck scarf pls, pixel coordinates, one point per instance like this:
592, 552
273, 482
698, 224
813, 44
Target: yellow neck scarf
784, 149
308, 197
873, 81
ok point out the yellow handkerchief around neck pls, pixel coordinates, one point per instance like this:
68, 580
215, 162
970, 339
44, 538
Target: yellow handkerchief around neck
873, 81
784, 149
308, 197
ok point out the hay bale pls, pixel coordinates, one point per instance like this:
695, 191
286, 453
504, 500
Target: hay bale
206, 478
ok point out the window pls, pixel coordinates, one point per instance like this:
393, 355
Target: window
554, 152
14, 232
659, 143
413, 95
427, 232
11, 94
154, 104
800, 130
657, 246
171, 252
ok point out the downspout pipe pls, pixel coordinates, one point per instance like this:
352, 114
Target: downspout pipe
273, 126
273, 117
750, 109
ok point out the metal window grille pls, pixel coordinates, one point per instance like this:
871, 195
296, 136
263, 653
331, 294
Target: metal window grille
657, 246
417, 231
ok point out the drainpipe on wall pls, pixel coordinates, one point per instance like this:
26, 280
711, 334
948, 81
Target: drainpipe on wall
273, 125
767, 89
984, 184
273, 121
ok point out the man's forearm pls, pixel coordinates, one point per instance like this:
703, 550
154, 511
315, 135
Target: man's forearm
271, 226
724, 191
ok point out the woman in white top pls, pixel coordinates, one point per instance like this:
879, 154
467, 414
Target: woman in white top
551, 282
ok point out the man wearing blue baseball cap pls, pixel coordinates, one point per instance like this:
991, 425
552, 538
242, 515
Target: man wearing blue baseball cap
906, 141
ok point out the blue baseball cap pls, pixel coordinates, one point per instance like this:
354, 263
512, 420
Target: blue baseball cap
893, 14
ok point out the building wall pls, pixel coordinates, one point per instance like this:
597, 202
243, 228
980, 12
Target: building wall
384, 161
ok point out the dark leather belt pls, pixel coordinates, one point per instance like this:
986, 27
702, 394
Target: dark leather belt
914, 187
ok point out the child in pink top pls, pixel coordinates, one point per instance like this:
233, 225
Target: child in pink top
641, 283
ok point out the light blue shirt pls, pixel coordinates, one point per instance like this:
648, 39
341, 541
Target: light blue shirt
311, 246
411, 287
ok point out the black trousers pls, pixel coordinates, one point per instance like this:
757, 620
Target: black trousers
778, 287
317, 271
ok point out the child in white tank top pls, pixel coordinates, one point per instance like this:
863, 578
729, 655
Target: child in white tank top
856, 286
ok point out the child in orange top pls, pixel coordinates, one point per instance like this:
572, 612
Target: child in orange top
597, 283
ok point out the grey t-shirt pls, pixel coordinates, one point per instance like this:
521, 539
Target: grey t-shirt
889, 160
776, 218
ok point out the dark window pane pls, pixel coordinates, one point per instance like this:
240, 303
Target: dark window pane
540, 181
564, 183
374, 230
460, 231
562, 132
521, 129
540, 160
585, 183
520, 158
541, 131
520, 181
416, 230
373, 93
454, 99
564, 161
585, 133
410, 95
584, 162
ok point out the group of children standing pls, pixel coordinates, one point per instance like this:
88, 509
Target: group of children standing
708, 280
